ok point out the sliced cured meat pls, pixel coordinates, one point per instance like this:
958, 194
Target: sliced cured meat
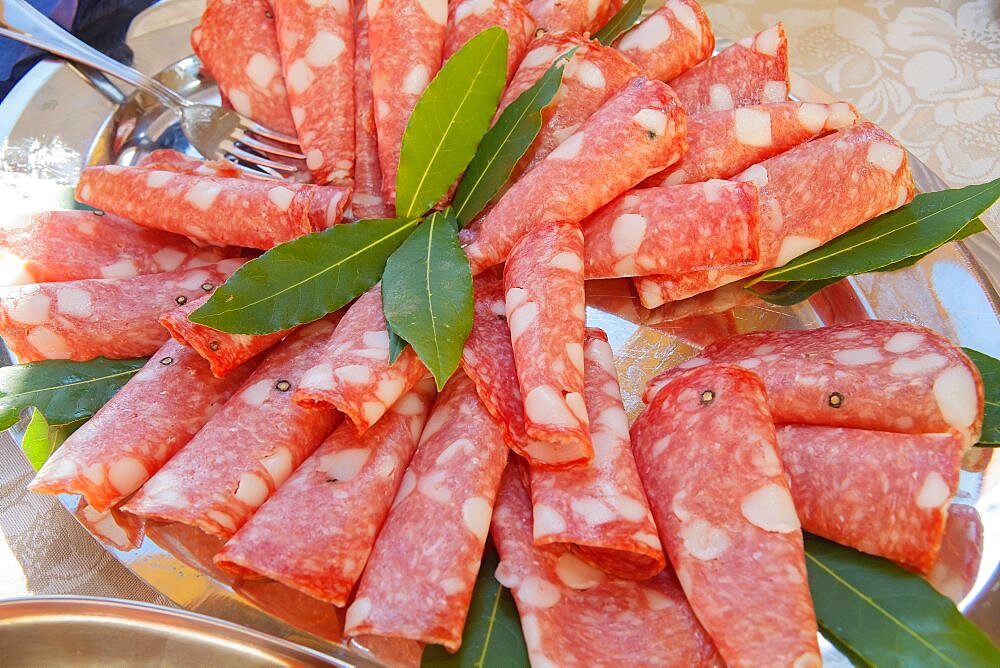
562, 600
670, 41
253, 444
468, 18
809, 195
723, 143
882, 493
236, 41
256, 213
354, 374
672, 230
600, 508
445, 501
111, 455
223, 351
112, 527
752, 71
71, 245
708, 458
406, 42
638, 132
116, 318
545, 307
174, 161
316, 43
366, 200
581, 16
873, 374
316, 532
957, 567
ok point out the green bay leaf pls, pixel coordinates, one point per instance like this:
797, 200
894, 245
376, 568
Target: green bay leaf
492, 637
449, 120
622, 21
304, 279
911, 231
884, 615
989, 369
41, 439
396, 345
62, 390
427, 294
505, 143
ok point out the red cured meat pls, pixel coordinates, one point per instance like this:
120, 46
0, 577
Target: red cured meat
582, 16
545, 307
874, 374
316, 532
112, 455
722, 144
600, 508
406, 41
253, 444
175, 161
366, 200
236, 41
671, 230
353, 374
316, 42
752, 71
957, 567
670, 41
116, 318
71, 245
445, 500
638, 132
573, 614
112, 527
223, 351
882, 493
256, 213
809, 195
468, 18
708, 458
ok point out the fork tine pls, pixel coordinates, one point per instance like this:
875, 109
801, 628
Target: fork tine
253, 158
264, 147
256, 128
258, 172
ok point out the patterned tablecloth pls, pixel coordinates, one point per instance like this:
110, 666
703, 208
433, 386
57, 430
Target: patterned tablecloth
927, 72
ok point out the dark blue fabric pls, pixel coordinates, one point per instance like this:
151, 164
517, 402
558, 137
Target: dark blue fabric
100, 23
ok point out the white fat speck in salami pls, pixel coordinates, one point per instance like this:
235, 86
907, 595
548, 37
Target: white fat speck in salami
569, 149
32, 309
753, 127
887, 156
576, 573
904, 342
955, 391
934, 491
770, 508
858, 356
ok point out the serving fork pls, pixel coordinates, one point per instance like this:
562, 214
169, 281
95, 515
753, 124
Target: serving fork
216, 133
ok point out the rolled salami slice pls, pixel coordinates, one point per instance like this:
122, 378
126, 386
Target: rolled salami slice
316, 43
468, 18
874, 374
316, 532
661, 230
882, 493
670, 41
809, 195
253, 444
723, 143
236, 41
116, 318
111, 455
113, 527
71, 245
708, 459
600, 508
174, 161
581, 16
638, 132
406, 41
445, 500
223, 351
752, 71
366, 200
256, 213
545, 307
353, 374
562, 599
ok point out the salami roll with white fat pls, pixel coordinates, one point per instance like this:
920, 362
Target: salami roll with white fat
253, 444
117, 318
316, 532
354, 375
708, 458
600, 508
468, 18
581, 16
562, 600
445, 500
670, 41
111, 456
